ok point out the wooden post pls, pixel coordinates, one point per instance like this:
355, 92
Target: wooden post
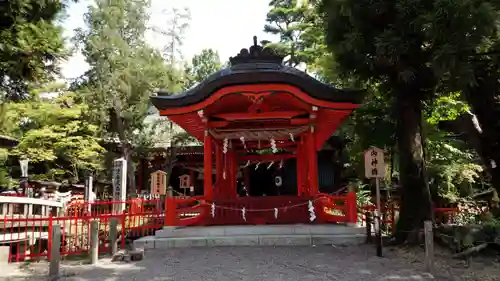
207, 167
352, 212
55, 252
5, 209
378, 233
301, 167
170, 208
218, 162
313, 164
429, 247
368, 221
94, 241
113, 235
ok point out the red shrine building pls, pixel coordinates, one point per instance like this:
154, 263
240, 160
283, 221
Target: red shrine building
256, 114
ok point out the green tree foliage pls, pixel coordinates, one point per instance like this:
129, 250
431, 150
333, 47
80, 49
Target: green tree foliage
478, 76
398, 44
32, 44
55, 133
204, 64
291, 19
124, 70
454, 168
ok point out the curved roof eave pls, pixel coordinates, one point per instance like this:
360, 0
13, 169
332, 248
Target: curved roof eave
8, 142
257, 73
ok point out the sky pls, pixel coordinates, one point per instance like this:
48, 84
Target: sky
223, 25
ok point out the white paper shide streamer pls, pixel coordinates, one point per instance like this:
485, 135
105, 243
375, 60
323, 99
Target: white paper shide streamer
273, 146
244, 214
276, 213
312, 215
242, 139
225, 144
213, 210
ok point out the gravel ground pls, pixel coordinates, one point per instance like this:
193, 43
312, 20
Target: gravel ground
262, 264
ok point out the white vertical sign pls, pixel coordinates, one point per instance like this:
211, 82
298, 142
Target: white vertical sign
119, 184
88, 196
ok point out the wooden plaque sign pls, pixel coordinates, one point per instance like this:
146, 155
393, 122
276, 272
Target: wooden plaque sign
374, 163
159, 183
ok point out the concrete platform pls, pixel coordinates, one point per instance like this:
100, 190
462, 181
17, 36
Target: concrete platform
264, 235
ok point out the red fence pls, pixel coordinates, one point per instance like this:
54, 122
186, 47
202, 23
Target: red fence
262, 210
29, 238
390, 212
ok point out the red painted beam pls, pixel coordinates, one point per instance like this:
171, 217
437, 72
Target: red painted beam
287, 148
263, 144
260, 116
248, 125
266, 157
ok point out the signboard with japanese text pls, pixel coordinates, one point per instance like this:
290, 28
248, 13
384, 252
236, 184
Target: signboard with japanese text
119, 184
159, 183
374, 163
184, 181
89, 195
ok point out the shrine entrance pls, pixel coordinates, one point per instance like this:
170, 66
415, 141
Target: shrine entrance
251, 118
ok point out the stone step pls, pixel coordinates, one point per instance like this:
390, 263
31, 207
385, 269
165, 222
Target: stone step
218, 231
152, 242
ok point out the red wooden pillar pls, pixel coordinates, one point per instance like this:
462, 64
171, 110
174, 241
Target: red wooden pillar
301, 167
313, 163
352, 212
207, 166
218, 162
170, 209
231, 187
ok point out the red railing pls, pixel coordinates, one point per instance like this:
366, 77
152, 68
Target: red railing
389, 213
261, 210
29, 237
335, 209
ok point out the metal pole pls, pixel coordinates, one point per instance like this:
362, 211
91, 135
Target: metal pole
378, 230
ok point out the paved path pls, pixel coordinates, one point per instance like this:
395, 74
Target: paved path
248, 264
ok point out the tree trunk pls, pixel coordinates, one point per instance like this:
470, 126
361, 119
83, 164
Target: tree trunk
416, 204
126, 153
472, 133
484, 99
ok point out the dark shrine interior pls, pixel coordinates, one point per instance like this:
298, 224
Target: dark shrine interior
262, 181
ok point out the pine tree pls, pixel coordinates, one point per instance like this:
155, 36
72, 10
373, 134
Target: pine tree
32, 44
289, 19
